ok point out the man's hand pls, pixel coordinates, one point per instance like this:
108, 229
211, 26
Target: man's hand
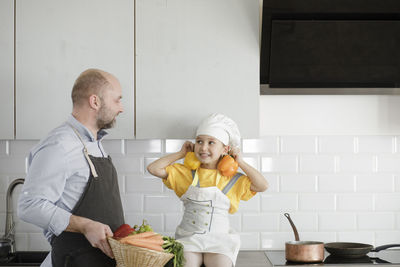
95, 232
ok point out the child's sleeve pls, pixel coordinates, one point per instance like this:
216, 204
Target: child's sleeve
178, 178
246, 192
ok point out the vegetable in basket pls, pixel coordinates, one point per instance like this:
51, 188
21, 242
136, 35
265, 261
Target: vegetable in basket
176, 248
123, 230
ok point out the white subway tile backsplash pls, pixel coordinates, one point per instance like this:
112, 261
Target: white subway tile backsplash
37, 242
357, 164
317, 164
13, 165
279, 164
273, 182
264, 145
337, 221
336, 188
388, 163
275, 240
376, 221
387, 202
21, 241
316, 202
251, 205
114, 147
336, 144
132, 203
128, 164
21, 147
172, 220
143, 184
3, 202
328, 183
162, 204
298, 183
355, 202
249, 241
397, 183
366, 237
143, 146
387, 237
3, 147
304, 221
318, 236
252, 161
375, 183
235, 221
279, 202
174, 145
376, 144
260, 222
298, 144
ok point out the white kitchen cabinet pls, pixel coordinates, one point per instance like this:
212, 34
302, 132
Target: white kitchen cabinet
194, 58
55, 41
7, 69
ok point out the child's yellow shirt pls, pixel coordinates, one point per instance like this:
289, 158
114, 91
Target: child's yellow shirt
180, 178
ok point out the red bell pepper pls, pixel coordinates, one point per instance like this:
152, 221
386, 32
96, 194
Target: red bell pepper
123, 230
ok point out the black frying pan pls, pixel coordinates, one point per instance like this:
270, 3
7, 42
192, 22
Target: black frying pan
353, 250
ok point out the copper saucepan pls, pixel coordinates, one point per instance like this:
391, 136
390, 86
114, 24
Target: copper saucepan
303, 251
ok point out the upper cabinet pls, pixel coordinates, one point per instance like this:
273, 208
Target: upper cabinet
55, 41
194, 58
7, 69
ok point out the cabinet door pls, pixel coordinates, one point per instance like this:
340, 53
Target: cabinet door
56, 41
7, 69
194, 58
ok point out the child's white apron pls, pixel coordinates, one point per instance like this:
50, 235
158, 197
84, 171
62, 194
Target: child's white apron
205, 223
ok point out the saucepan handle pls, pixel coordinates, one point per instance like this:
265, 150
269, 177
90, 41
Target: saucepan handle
383, 247
296, 234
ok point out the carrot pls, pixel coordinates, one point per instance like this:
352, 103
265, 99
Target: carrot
144, 244
141, 235
145, 240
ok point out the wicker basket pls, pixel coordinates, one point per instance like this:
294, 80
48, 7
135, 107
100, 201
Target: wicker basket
131, 256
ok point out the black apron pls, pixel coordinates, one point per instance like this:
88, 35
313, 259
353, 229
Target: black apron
100, 202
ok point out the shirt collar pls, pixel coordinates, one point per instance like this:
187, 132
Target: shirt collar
85, 131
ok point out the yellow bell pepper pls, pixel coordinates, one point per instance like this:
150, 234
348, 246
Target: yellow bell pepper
191, 161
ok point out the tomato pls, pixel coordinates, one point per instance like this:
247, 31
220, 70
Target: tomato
227, 166
191, 161
123, 230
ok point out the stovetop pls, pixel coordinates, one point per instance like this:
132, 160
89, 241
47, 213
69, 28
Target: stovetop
386, 257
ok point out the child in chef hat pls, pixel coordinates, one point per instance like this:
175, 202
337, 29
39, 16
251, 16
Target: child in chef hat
207, 195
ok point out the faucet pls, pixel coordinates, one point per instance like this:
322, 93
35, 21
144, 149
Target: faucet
9, 231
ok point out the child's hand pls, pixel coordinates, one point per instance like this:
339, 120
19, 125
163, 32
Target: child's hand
235, 153
187, 147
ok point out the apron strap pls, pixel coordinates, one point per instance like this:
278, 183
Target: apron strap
231, 183
85, 152
196, 181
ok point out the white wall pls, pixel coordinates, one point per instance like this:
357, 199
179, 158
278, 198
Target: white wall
330, 114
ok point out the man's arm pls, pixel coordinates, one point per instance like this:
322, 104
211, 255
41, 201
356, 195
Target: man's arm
95, 232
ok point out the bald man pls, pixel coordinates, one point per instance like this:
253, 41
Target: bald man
71, 188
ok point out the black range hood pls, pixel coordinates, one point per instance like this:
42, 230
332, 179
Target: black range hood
330, 44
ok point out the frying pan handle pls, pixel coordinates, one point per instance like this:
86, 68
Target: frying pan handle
384, 247
296, 234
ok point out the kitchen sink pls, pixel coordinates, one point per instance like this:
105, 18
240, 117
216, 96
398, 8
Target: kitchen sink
24, 258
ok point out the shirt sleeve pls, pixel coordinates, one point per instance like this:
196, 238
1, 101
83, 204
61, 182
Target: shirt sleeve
246, 192
179, 178
43, 187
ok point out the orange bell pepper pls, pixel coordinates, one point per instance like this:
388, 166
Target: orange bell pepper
227, 166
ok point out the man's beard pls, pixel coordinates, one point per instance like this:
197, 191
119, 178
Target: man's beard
103, 122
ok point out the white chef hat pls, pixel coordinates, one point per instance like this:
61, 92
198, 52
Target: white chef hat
221, 127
